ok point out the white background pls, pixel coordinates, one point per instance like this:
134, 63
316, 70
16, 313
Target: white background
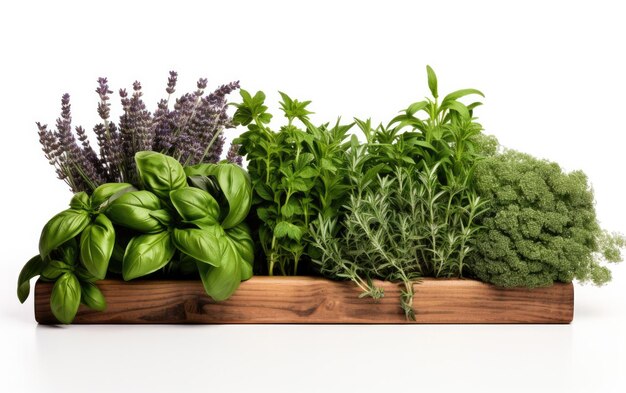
554, 78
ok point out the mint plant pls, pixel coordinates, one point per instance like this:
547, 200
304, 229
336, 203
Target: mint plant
297, 174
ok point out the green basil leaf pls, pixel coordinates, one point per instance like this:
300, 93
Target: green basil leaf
122, 237
146, 254
61, 228
241, 240
160, 173
65, 298
162, 216
200, 244
96, 246
235, 185
132, 210
92, 297
221, 282
55, 269
80, 201
67, 252
187, 265
83, 275
108, 192
31, 269
194, 204
204, 183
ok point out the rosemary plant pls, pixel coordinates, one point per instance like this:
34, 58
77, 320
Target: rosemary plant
416, 216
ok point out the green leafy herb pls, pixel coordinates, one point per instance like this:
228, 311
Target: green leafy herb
65, 298
541, 225
296, 174
412, 209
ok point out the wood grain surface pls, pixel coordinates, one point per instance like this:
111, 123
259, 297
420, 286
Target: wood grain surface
316, 300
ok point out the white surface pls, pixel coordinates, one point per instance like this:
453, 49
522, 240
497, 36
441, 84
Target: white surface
553, 75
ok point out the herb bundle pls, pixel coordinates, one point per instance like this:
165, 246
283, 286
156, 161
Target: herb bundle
417, 218
191, 132
168, 226
541, 225
297, 174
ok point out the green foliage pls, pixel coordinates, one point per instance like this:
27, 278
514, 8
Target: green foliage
61, 266
296, 173
65, 298
146, 254
31, 269
61, 228
541, 225
169, 226
412, 209
96, 246
159, 173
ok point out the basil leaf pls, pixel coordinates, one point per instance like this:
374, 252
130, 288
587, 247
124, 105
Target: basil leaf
96, 246
54, 269
162, 216
108, 192
200, 244
92, 297
83, 275
32, 268
187, 265
67, 252
221, 282
80, 201
65, 298
132, 210
241, 240
234, 183
160, 173
146, 254
204, 183
237, 189
61, 228
194, 204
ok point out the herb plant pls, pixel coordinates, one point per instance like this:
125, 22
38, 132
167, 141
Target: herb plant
540, 226
167, 225
418, 218
426, 195
296, 176
191, 132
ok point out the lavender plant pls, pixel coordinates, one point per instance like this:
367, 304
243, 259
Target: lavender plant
190, 131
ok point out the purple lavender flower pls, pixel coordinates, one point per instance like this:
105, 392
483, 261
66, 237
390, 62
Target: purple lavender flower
233, 155
191, 131
171, 82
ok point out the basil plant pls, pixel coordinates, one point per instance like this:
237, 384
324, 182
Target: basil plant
184, 220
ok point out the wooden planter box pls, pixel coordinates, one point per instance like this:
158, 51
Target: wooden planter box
316, 300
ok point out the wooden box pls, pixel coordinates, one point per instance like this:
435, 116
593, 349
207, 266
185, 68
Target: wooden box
316, 300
